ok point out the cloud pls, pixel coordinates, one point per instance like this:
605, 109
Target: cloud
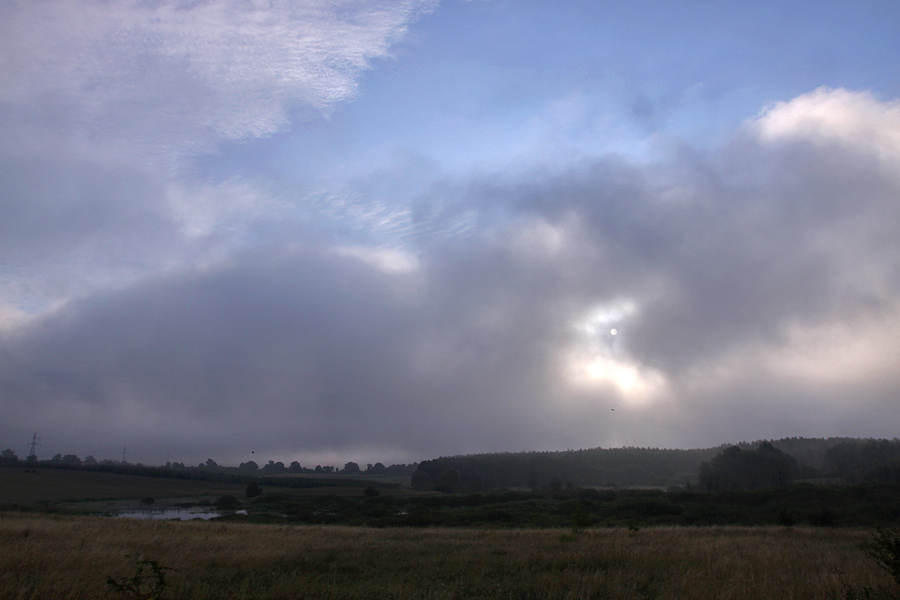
169, 78
840, 117
753, 289
105, 105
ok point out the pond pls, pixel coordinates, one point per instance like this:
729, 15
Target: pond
178, 514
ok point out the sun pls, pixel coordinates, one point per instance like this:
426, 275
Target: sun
597, 359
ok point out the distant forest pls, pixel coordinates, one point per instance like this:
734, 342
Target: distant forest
724, 468
727, 468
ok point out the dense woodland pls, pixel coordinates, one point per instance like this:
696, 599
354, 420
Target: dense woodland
726, 468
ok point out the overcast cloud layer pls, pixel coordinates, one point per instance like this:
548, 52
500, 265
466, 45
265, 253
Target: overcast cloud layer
387, 231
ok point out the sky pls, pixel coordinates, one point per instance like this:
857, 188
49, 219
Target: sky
391, 230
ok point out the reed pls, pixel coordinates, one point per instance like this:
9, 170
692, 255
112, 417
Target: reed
47, 557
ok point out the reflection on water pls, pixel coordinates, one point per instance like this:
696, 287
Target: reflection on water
178, 514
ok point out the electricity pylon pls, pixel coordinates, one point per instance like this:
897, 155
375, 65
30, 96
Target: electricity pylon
35, 441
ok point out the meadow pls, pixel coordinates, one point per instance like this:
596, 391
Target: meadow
74, 557
361, 543
47, 487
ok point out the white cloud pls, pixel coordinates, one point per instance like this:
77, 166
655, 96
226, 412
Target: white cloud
841, 352
388, 260
600, 372
855, 119
11, 317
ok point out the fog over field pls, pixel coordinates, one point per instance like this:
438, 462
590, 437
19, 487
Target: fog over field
388, 230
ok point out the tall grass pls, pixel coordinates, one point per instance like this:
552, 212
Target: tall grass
51, 557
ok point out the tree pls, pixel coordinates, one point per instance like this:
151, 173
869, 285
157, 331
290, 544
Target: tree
253, 490
869, 460
71, 459
274, 467
8, 457
884, 548
249, 466
227, 502
351, 468
735, 469
448, 481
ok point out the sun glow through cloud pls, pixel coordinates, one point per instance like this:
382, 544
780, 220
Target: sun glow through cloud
597, 362
597, 372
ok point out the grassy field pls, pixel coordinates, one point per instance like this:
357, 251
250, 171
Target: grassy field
47, 556
84, 491
49, 486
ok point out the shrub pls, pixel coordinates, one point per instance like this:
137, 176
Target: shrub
227, 502
148, 581
884, 549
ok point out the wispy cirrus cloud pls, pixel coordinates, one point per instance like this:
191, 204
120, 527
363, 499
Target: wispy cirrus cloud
166, 78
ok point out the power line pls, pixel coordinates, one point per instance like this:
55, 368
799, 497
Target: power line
35, 441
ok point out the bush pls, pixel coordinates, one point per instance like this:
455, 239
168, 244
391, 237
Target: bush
227, 502
147, 582
884, 549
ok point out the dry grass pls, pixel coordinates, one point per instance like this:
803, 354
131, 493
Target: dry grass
70, 557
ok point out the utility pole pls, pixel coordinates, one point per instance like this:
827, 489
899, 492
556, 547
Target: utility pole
124, 452
35, 441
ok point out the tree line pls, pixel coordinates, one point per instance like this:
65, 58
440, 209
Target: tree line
211, 470
725, 468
